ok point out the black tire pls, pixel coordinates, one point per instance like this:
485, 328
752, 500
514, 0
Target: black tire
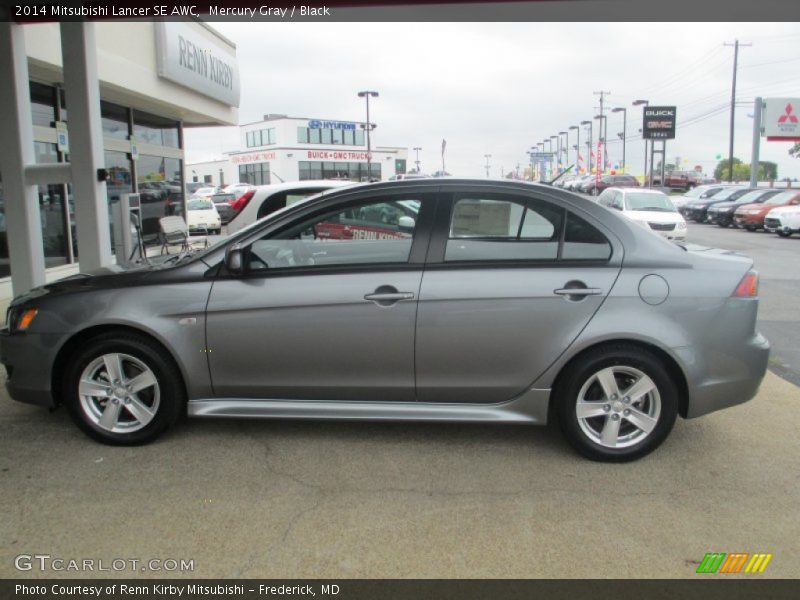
581, 370
783, 234
172, 395
750, 227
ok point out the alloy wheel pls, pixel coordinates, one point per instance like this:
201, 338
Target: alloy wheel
618, 407
119, 393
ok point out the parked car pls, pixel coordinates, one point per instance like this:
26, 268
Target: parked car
595, 187
192, 187
697, 192
400, 176
722, 212
224, 202
650, 208
202, 216
207, 191
263, 200
238, 189
783, 220
697, 210
533, 302
751, 216
681, 180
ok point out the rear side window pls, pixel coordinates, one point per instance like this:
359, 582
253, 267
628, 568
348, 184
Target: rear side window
501, 228
583, 241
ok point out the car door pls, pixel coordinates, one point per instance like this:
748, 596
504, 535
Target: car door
510, 282
326, 307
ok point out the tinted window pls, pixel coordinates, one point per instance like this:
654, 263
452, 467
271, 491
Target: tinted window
583, 241
364, 233
484, 228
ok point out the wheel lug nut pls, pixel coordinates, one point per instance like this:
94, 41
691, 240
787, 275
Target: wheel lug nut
615, 416
607, 407
613, 396
626, 400
627, 412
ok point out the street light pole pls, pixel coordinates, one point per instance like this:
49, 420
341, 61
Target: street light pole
487, 157
565, 147
577, 146
367, 94
558, 152
643, 103
624, 112
416, 162
589, 144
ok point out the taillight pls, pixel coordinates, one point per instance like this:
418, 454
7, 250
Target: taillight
239, 204
748, 286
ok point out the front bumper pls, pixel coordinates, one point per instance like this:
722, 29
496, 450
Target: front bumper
745, 220
28, 359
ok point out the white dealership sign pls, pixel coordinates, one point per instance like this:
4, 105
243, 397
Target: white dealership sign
780, 119
197, 62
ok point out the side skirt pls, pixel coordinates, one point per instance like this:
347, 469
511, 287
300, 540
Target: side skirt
529, 407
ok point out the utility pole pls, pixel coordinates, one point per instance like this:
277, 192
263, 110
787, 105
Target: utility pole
367, 94
736, 44
416, 162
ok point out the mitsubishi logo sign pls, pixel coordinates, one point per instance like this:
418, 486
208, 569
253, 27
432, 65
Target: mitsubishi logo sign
788, 115
779, 121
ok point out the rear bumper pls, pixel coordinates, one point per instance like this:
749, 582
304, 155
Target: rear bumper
724, 379
28, 359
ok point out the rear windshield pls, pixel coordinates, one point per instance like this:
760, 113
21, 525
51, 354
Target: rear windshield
782, 198
199, 204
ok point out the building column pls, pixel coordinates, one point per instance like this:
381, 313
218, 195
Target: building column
22, 213
82, 90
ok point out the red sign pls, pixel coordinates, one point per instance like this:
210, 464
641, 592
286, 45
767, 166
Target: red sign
337, 231
336, 155
252, 157
788, 116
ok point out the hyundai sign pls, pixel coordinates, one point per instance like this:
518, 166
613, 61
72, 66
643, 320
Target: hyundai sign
659, 123
317, 124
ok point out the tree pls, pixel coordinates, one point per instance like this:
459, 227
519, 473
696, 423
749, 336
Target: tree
721, 170
795, 150
767, 171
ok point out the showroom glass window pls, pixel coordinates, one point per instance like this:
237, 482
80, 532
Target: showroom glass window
255, 173
368, 232
115, 120
158, 180
43, 110
155, 130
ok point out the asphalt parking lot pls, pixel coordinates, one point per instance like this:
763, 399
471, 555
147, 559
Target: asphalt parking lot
305, 499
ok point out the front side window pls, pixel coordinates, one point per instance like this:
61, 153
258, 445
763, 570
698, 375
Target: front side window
370, 232
486, 228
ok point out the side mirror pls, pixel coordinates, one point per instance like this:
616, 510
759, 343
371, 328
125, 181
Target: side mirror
234, 260
406, 224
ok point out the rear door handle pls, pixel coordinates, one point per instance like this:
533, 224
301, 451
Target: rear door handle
578, 291
389, 297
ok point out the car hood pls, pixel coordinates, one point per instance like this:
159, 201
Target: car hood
759, 207
653, 216
785, 209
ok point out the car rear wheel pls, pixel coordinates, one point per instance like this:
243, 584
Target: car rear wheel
617, 403
750, 227
122, 389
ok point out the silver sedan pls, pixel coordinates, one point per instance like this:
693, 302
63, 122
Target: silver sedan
420, 300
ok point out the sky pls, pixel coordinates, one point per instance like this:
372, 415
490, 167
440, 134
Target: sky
499, 88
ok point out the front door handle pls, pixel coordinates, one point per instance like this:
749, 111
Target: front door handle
578, 291
386, 295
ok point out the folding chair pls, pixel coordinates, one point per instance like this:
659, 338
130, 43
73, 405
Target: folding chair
174, 232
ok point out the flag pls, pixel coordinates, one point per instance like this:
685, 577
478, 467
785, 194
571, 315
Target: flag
580, 162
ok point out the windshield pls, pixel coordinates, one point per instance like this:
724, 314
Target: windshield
782, 198
648, 201
726, 193
198, 204
751, 196
698, 191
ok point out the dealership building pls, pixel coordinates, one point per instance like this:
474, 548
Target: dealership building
282, 148
109, 120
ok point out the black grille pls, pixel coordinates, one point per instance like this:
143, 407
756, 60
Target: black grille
662, 226
771, 222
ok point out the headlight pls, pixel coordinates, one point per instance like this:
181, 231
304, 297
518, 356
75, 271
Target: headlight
681, 225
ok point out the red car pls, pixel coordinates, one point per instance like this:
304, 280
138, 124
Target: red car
594, 187
751, 216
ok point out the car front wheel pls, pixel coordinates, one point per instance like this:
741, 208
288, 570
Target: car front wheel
617, 403
123, 389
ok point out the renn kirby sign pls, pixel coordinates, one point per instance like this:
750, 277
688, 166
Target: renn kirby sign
659, 123
195, 61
